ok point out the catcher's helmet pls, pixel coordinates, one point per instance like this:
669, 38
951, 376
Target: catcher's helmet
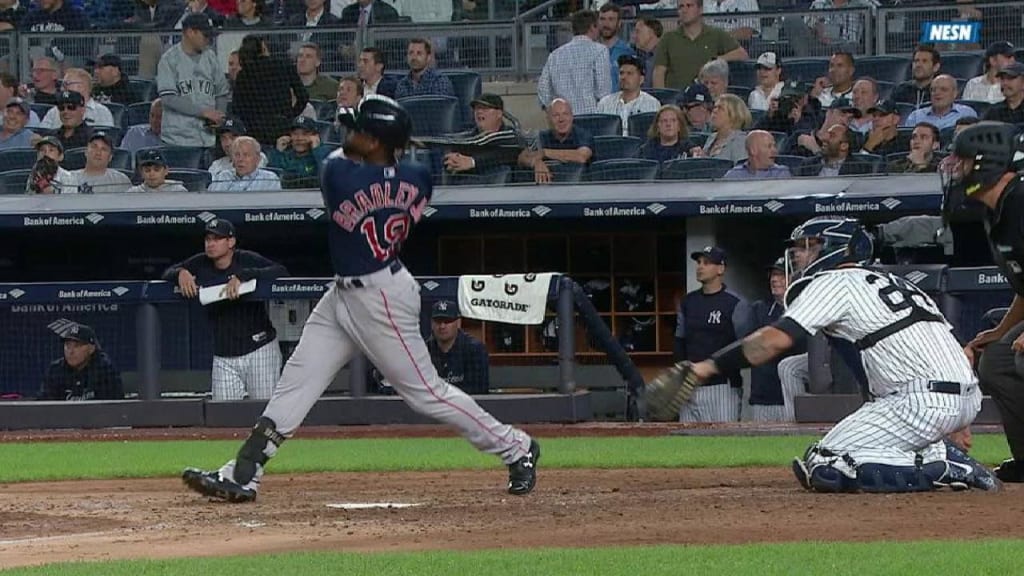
380, 117
825, 242
982, 154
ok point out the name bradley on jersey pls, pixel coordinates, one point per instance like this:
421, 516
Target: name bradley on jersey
407, 197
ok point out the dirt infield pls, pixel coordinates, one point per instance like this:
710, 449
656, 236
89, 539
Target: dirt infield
157, 518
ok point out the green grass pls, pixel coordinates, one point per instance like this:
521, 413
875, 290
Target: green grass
996, 557
79, 460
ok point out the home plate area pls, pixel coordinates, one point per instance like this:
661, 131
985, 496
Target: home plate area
159, 518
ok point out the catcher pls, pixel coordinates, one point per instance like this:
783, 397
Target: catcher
923, 387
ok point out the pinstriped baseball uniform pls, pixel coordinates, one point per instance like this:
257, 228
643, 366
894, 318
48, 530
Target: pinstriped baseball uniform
905, 345
201, 79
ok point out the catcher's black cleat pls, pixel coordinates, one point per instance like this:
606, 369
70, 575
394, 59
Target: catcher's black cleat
801, 473
1010, 471
522, 475
212, 485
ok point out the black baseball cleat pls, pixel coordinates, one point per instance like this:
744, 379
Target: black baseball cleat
522, 475
212, 485
1010, 471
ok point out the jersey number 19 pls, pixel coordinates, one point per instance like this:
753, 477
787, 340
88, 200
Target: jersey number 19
393, 232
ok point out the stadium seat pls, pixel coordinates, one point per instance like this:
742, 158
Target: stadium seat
74, 159
743, 73
742, 91
180, 157
805, 69
40, 109
324, 130
885, 89
755, 117
566, 172
905, 108
18, 158
117, 111
145, 90
792, 162
695, 168
467, 85
664, 95
979, 106
14, 181
625, 169
962, 64
599, 124
639, 124
432, 115
861, 163
903, 139
194, 180
780, 139
496, 177
613, 147
326, 111
946, 136
116, 133
137, 113
893, 69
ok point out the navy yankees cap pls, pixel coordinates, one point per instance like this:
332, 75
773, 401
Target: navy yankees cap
444, 309
197, 22
233, 125
1013, 70
151, 157
80, 333
844, 105
488, 100
714, 254
105, 60
304, 123
101, 135
778, 265
220, 227
70, 97
695, 94
884, 107
1001, 48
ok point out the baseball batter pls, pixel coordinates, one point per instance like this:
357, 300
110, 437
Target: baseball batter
192, 85
922, 385
373, 306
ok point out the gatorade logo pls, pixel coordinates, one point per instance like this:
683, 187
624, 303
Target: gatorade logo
951, 32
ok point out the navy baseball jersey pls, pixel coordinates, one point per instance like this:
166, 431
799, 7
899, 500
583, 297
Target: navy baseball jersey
465, 364
707, 322
373, 209
765, 386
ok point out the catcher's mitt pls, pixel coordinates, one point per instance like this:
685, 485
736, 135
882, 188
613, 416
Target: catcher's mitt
669, 390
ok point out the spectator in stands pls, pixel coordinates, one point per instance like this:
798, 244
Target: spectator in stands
318, 86
11, 14
769, 82
246, 355
646, 34
609, 23
924, 69
97, 177
350, 92
819, 35
563, 142
111, 84
227, 132
154, 174
299, 154
423, 79
316, 15
1011, 109
943, 111
865, 95
696, 101
489, 145
742, 29
155, 14
715, 75
811, 143
54, 16
834, 158
924, 143
578, 71
370, 68
883, 139
460, 359
245, 174
630, 99
47, 175
45, 73
145, 135
234, 67
365, 13
79, 81
85, 372
987, 87
839, 83
268, 91
191, 107
9, 89
15, 133
794, 111
216, 19
667, 138
248, 14
760, 162
683, 51
729, 117
72, 131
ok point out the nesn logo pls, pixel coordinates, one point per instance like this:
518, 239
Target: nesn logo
956, 32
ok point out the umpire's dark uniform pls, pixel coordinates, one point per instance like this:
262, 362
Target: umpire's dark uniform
1001, 370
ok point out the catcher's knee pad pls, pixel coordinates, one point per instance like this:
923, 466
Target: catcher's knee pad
962, 471
886, 478
261, 444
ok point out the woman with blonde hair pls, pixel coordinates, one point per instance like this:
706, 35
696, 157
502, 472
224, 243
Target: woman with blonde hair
729, 117
667, 137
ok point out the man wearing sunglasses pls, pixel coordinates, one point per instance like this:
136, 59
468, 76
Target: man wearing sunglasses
73, 131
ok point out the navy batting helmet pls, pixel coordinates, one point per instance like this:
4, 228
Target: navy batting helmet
380, 117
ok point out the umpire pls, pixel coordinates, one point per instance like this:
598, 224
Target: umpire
246, 356
983, 169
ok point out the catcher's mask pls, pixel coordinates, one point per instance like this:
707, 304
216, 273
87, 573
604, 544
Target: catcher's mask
981, 155
822, 244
